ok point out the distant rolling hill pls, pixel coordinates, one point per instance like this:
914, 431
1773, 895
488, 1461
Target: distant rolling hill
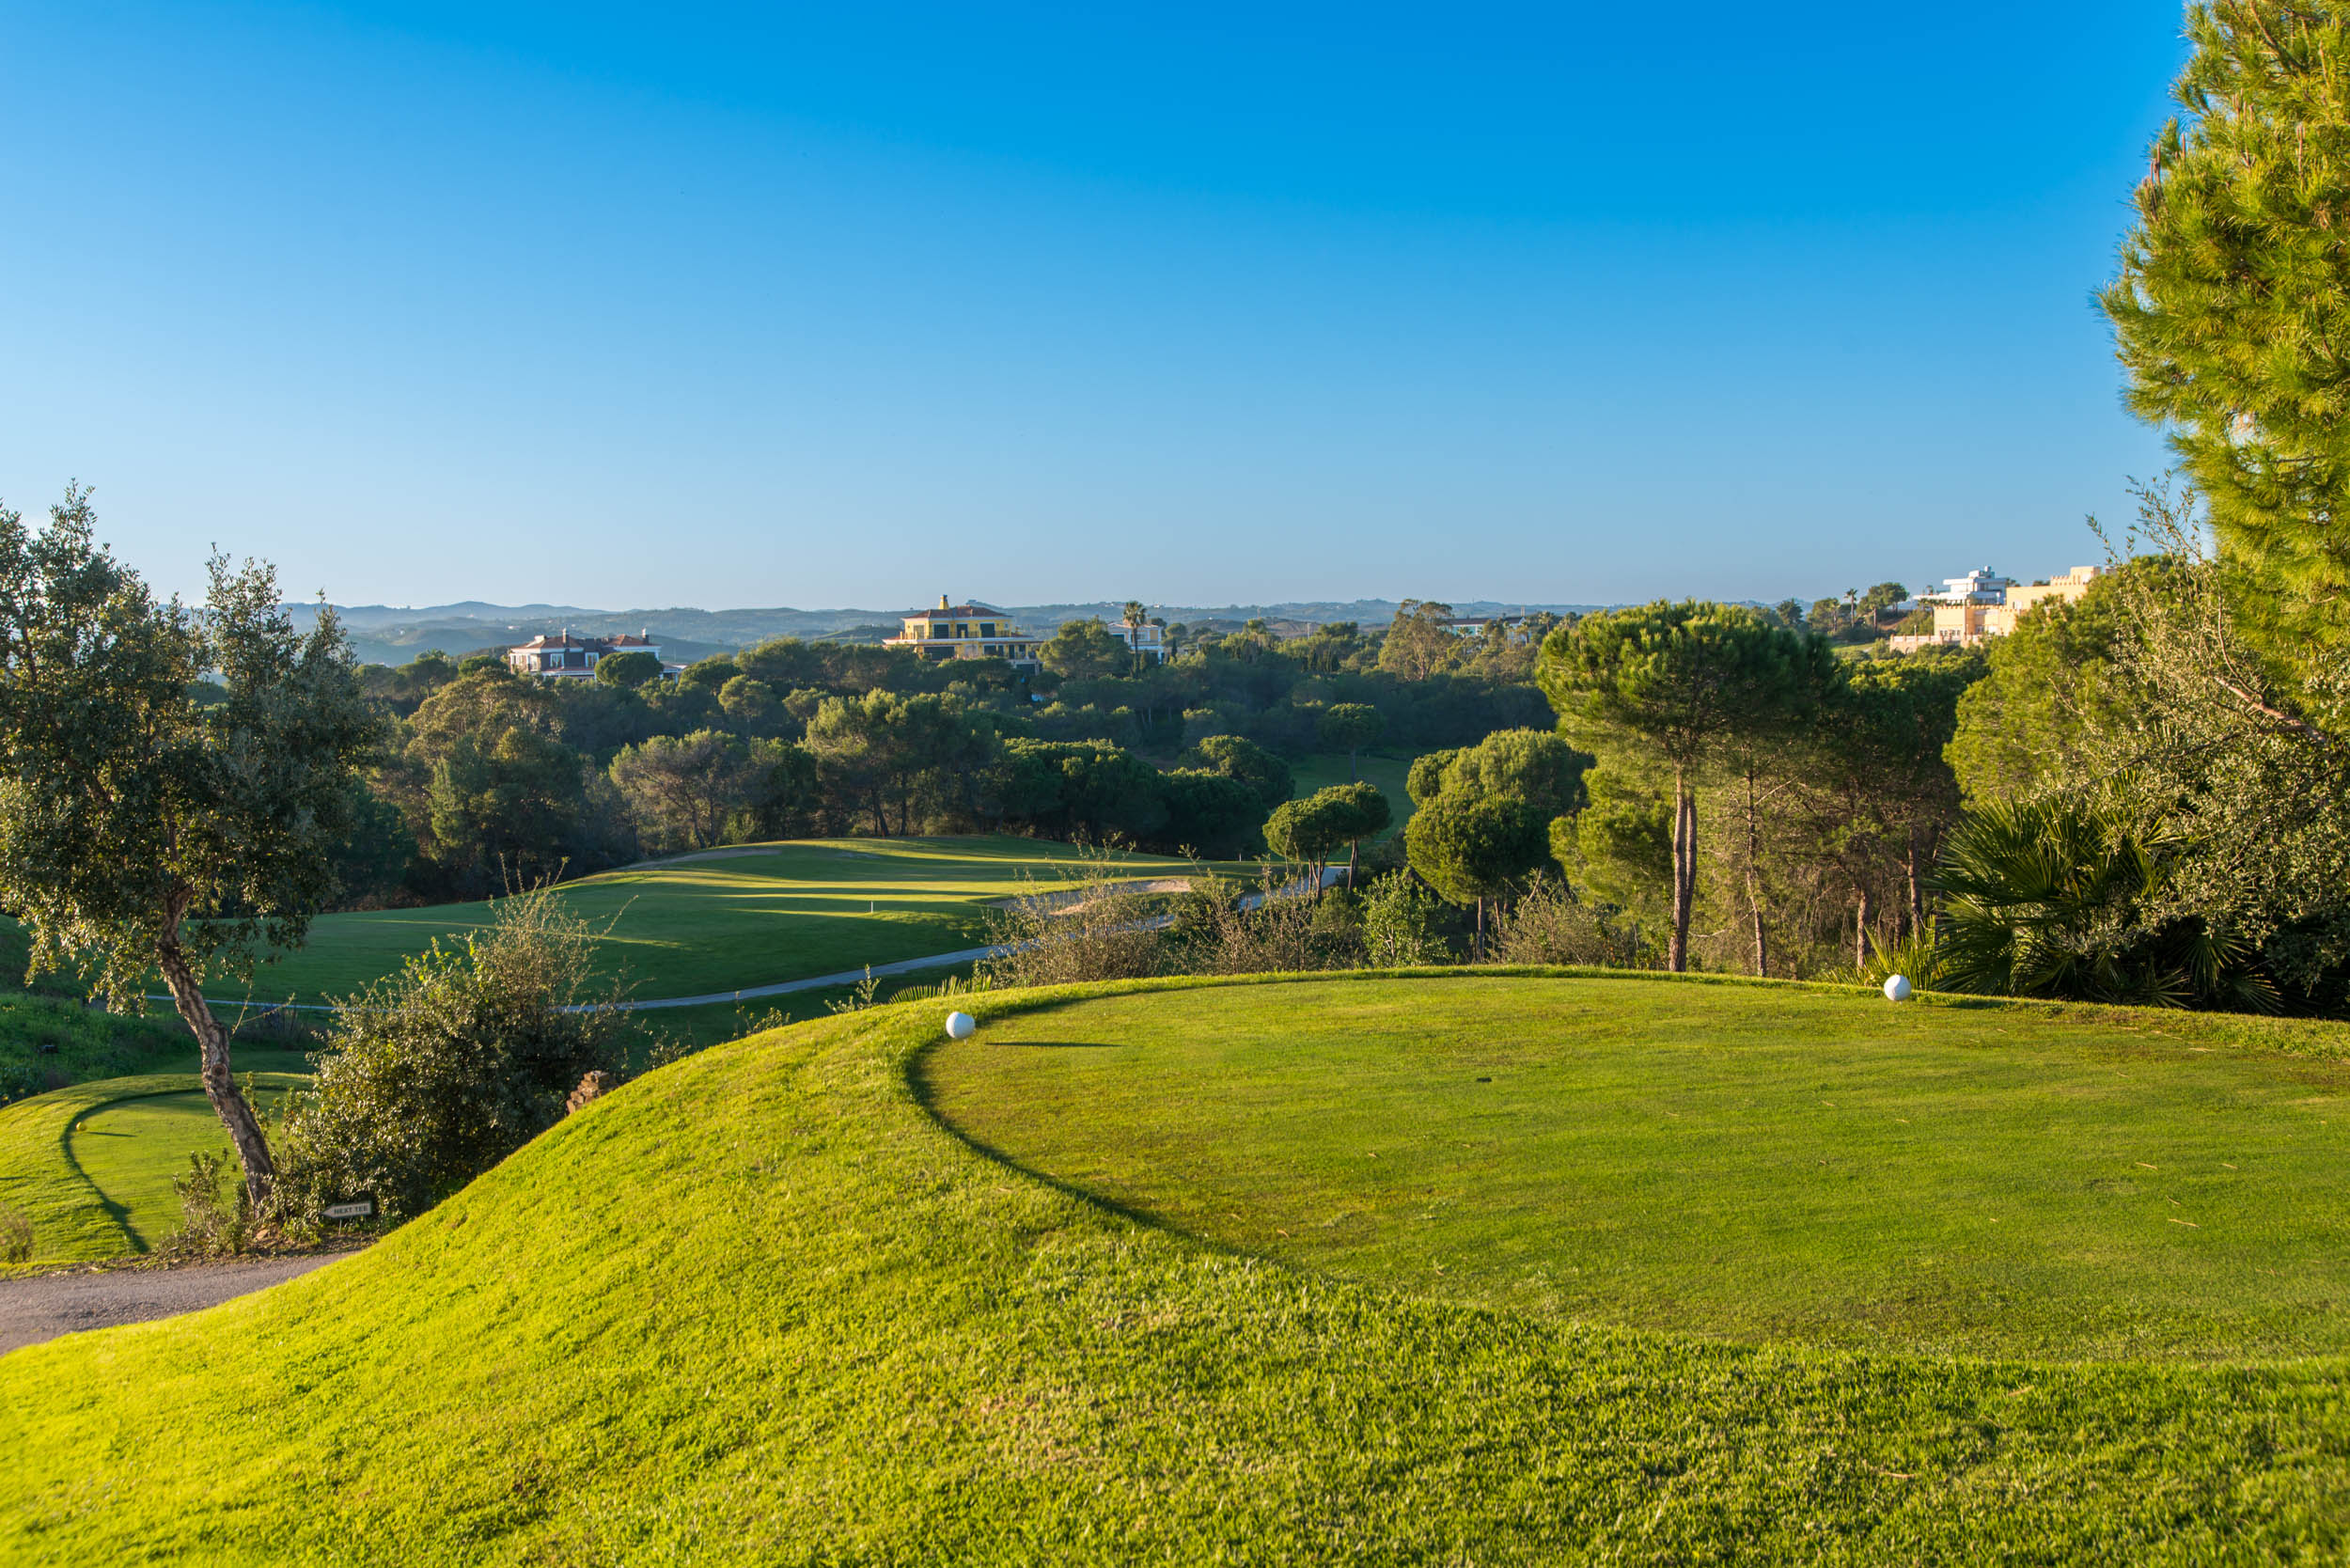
387, 633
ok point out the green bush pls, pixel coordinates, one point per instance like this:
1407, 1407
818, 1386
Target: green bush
438, 1073
1550, 925
1402, 923
216, 1217
2060, 897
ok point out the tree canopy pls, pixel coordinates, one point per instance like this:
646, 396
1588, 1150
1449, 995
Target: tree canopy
1682, 682
142, 829
2232, 288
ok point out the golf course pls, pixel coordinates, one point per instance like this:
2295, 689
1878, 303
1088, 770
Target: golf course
1461, 1266
725, 919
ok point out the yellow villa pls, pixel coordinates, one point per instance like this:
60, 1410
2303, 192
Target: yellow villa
966, 631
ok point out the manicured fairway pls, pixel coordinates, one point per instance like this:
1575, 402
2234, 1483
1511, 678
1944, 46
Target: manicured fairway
732, 918
132, 1149
1388, 771
1751, 1162
762, 1306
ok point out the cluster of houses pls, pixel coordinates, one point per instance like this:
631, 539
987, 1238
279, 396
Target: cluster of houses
1984, 604
949, 632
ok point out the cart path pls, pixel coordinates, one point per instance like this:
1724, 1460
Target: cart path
1331, 875
45, 1305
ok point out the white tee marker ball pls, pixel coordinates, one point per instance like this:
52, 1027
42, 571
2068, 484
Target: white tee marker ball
960, 1025
1896, 990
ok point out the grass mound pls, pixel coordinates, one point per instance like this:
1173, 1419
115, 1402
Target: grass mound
762, 1306
1752, 1162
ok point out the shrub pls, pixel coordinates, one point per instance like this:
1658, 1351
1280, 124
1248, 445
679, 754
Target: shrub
1550, 925
1402, 923
16, 1235
1091, 926
438, 1073
1222, 930
2059, 897
213, 1222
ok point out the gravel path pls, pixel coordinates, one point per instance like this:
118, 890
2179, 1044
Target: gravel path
48, 1305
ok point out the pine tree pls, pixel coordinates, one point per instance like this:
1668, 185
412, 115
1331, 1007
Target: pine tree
2232, 306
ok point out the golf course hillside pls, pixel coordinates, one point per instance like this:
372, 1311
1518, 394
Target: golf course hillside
728, 920
1681, 1282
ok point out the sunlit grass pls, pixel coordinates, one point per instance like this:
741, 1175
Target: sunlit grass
762, 1306
1757, 1163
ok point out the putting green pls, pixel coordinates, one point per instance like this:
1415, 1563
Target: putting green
132, 1150
1741, 1162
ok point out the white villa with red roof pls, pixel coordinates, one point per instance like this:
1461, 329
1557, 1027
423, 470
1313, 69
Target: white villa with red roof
567, 657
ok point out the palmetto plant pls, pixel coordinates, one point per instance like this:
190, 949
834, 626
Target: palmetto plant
2050, 898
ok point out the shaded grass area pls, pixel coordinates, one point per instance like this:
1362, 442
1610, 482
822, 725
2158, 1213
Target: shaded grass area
759, 1307
743, 917
48, 1041
1755, 1163
74, 1218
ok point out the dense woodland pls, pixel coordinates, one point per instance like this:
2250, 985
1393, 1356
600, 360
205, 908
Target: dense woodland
487, 778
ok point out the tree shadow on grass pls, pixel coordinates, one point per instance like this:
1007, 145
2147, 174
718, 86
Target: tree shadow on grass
917, 1081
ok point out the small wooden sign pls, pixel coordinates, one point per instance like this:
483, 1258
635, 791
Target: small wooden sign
361, 1210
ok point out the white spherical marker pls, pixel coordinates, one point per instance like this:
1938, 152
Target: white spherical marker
962, 1025
1896, 990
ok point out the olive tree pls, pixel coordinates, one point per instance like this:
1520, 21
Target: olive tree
142, 830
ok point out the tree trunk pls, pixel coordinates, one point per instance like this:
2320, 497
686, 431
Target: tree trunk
1353, 849
1860, 934
1754, 879
1478, 945
220, 1087
1684, 870
1916, 892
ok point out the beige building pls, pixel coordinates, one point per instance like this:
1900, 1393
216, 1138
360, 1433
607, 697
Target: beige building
1984, 604
2025, 596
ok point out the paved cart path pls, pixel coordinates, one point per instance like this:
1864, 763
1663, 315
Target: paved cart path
48, 1305
1331, 876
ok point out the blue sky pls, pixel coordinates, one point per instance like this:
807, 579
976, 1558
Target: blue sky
855, 304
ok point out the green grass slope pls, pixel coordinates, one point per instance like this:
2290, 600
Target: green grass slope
1750, 1162
761, 1307
87, 1205
725, 920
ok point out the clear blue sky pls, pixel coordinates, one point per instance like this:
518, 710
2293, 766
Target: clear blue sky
857, 304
